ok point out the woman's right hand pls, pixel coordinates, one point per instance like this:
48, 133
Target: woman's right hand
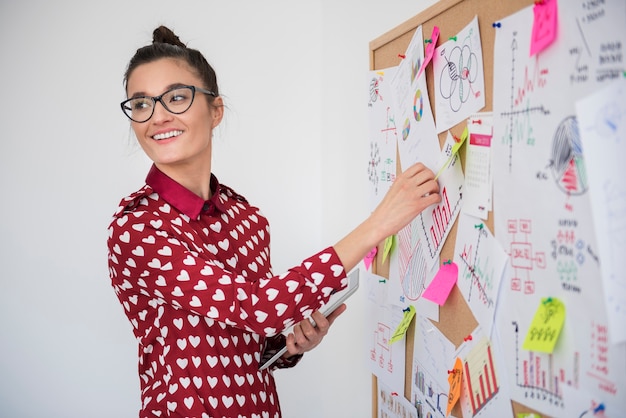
413, 191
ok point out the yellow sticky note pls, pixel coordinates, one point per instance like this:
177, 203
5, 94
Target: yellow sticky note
455, 377
404, 324
389, 243
546, 326
454, 152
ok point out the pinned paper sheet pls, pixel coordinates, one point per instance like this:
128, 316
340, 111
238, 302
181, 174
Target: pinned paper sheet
455, 377
545, 24
398, 334
546, 326
430, 50
439, 289
369, 258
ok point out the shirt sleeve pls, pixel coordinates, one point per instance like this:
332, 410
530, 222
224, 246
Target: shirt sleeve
148, 260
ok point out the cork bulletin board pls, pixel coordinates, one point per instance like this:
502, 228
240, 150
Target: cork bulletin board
455, 317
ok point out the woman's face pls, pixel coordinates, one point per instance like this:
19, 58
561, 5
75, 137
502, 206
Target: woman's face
174, 142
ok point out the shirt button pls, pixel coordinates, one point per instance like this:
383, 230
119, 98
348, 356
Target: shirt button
205, 207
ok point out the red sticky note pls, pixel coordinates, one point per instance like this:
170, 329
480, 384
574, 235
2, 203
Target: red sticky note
545, 24
430, 50
439, 289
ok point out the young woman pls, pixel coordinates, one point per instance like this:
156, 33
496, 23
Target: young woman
189, 258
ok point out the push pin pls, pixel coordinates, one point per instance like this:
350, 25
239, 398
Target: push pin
496, 25
402, 56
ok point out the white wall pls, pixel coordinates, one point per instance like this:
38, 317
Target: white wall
294, 142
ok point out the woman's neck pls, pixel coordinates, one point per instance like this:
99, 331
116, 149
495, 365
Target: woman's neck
195, 180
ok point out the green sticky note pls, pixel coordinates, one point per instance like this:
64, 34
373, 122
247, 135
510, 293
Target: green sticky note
389, 244
546, 326
404, 324
455, 149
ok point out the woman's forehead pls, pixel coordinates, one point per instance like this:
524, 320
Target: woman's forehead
154, 77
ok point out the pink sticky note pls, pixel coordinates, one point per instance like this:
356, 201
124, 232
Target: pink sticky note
430, 50
369, 258
545, 25
441, 286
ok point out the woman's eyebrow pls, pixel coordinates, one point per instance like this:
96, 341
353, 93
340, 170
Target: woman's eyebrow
167, 88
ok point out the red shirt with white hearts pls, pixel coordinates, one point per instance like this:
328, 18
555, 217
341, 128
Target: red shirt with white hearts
195, 280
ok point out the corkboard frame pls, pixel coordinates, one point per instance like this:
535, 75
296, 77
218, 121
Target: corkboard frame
450, 16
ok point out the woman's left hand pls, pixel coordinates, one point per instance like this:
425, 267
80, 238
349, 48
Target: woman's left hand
306, 337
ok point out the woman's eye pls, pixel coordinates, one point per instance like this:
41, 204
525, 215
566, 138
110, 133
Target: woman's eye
178, 97
141, 104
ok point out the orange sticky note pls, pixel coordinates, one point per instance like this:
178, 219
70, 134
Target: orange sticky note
369, 258
545, 25
439, 289
455, 377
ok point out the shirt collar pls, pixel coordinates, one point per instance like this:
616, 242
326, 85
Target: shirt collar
182, 198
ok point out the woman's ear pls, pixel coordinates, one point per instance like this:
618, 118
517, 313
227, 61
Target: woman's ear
217, 111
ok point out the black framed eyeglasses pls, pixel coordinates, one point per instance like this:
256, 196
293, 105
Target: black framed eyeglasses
176, 100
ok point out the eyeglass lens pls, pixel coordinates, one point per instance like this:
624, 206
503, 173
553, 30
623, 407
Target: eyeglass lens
177, 101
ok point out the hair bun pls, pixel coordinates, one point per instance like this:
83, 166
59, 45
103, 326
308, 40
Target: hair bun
163, 34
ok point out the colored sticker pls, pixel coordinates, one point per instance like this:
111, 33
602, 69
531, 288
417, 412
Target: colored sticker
398, 334
546, 326
545, 25
439, 289
455, 376
369, 258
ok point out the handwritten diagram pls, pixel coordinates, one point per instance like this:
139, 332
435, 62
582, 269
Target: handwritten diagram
459, 77
381, 166
481, 260
522, 256
459, 74
536, 376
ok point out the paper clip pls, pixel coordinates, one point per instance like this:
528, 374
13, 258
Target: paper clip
496, 25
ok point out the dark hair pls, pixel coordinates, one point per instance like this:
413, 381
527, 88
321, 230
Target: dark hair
165, 44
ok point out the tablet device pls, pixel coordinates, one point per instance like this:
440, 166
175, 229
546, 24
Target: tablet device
336, 299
